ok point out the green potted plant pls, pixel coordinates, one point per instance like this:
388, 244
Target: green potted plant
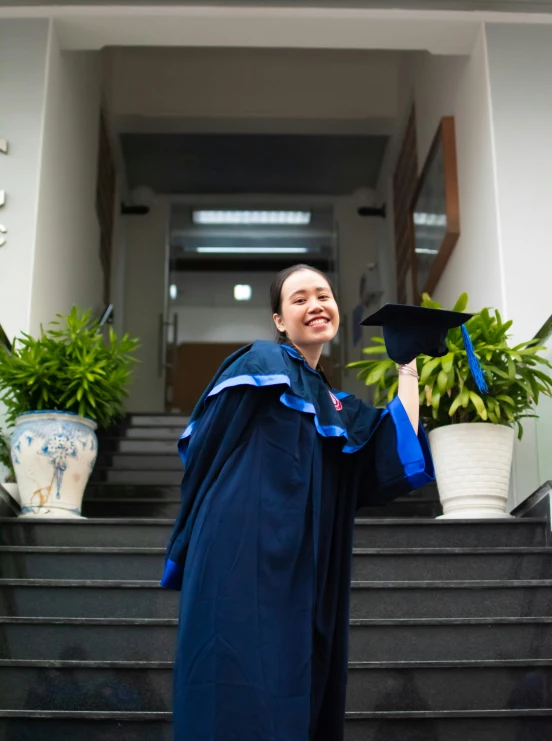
9, 484
58, 388
471, 435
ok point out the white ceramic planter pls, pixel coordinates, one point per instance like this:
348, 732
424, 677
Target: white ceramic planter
53, 456
472, 464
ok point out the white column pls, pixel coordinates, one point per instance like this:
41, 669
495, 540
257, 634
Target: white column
520, 61
23, 62
357, 247
146, 278
49, 101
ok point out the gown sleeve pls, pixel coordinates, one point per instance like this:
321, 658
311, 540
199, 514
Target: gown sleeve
205, 446
396, 459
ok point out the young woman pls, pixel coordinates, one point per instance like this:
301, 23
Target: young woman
276, 465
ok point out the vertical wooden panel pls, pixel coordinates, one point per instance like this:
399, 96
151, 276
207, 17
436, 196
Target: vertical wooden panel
405, 179
105, 205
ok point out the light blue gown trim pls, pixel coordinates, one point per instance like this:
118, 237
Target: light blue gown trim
184, 441
172, 576
413, 450
273, 380
294, 402
289, 400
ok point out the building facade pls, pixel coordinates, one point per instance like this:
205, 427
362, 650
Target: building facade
134, 76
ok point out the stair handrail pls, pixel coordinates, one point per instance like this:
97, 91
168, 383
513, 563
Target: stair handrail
106, 317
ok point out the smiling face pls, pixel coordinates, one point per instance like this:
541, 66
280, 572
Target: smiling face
308, 315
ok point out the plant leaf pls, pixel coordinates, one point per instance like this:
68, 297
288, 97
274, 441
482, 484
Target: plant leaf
462, 302
477, 401
428, 369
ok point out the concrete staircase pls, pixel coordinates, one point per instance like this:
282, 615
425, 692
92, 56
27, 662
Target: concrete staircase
450, 640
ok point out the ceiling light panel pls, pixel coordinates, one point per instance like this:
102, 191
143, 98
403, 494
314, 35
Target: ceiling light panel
274, 218
250, 250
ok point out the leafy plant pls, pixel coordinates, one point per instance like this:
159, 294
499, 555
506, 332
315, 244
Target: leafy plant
448, 394
5, 457
68, 368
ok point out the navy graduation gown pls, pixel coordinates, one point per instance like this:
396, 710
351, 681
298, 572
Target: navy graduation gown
276, 465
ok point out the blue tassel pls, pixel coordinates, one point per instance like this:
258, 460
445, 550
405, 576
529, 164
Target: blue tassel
475, 366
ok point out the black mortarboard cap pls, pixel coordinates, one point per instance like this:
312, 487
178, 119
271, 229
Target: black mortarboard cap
410, 331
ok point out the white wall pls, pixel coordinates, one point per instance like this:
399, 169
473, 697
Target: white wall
23, 48
234, 324
459, 86
520, 68
145, 300
67, 269
210, 289
520, 60
49, 102
499, 96
456, 86
208, 312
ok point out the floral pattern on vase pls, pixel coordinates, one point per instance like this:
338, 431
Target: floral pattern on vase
53, 455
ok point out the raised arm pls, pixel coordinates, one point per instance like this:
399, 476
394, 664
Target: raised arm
408, 392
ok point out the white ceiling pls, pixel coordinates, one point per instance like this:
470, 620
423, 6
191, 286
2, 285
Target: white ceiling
95, 27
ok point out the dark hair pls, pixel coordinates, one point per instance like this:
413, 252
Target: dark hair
276, 292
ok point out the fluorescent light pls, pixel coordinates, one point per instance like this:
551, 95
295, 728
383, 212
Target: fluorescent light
173, 291
252, 250
252, 217
242, 292
425, 251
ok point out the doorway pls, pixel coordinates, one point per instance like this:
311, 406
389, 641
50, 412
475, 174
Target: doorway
223, 258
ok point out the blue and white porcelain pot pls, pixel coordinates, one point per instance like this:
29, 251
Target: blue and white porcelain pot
53, 456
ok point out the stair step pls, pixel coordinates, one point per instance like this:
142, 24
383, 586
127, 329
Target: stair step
74, 684
420, 533
106, 491
169, 507
158, 420
376, 533
123, 445
427, 600
506, 725
497, 725
104, 639
449, 686
372, 565
101, 532
451, 563
126, 507
154, 433
86, 563
95, 639
450, 639
138, 461
95, 599
51, 725
119, 476
376, 600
